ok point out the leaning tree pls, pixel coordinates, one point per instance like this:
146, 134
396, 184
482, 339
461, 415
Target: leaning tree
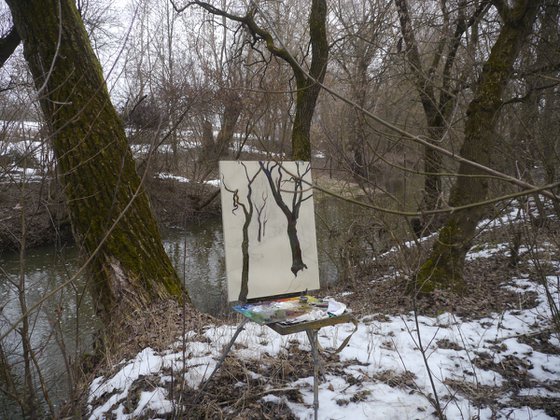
109, 210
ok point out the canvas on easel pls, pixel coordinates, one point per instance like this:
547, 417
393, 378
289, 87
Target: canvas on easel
271, 251
269, 229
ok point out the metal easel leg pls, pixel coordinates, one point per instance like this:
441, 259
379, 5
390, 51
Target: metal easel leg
312, 335
224, 354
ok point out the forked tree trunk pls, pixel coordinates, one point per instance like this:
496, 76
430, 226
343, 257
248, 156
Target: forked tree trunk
444, 267
129, 265
292, 214
425, 88
435, 87
232, 110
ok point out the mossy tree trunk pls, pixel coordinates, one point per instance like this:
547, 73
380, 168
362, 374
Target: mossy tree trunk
110, 213
444, 267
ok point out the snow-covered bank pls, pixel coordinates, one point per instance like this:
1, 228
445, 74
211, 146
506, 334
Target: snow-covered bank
493, 367
182, 179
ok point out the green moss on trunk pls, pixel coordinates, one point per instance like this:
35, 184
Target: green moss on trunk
307, 88
95, 163
444, 268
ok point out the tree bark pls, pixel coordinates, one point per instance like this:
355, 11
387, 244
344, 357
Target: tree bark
110, 213
308, 88
8, 45
444, 267
232, 111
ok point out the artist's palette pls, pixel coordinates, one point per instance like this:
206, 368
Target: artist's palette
290, 310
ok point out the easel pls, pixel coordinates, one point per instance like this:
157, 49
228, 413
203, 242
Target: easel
279, 192
311, 328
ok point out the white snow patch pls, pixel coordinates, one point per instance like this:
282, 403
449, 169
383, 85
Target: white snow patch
182, 179
361, 390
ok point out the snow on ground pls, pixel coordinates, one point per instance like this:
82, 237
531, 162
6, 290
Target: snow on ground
35, 149
383, 375
37, 153
27, 127
515, 212
182, 179
144, 149
252, 149
18, 174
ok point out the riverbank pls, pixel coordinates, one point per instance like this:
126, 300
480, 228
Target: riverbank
492, 354
38, 210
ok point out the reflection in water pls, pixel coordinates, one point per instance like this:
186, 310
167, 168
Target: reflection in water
63, 327
59, 330
198, 256
341, 226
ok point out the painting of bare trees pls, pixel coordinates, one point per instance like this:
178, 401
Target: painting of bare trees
269, 228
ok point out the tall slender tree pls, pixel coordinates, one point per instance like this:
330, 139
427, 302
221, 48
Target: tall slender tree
435, 84
357, 52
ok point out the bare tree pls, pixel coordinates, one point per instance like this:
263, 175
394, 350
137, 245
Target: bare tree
306, 81
536, 128
275, 176
444, 267
436, 85
262, 218
248, 210
360, 53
